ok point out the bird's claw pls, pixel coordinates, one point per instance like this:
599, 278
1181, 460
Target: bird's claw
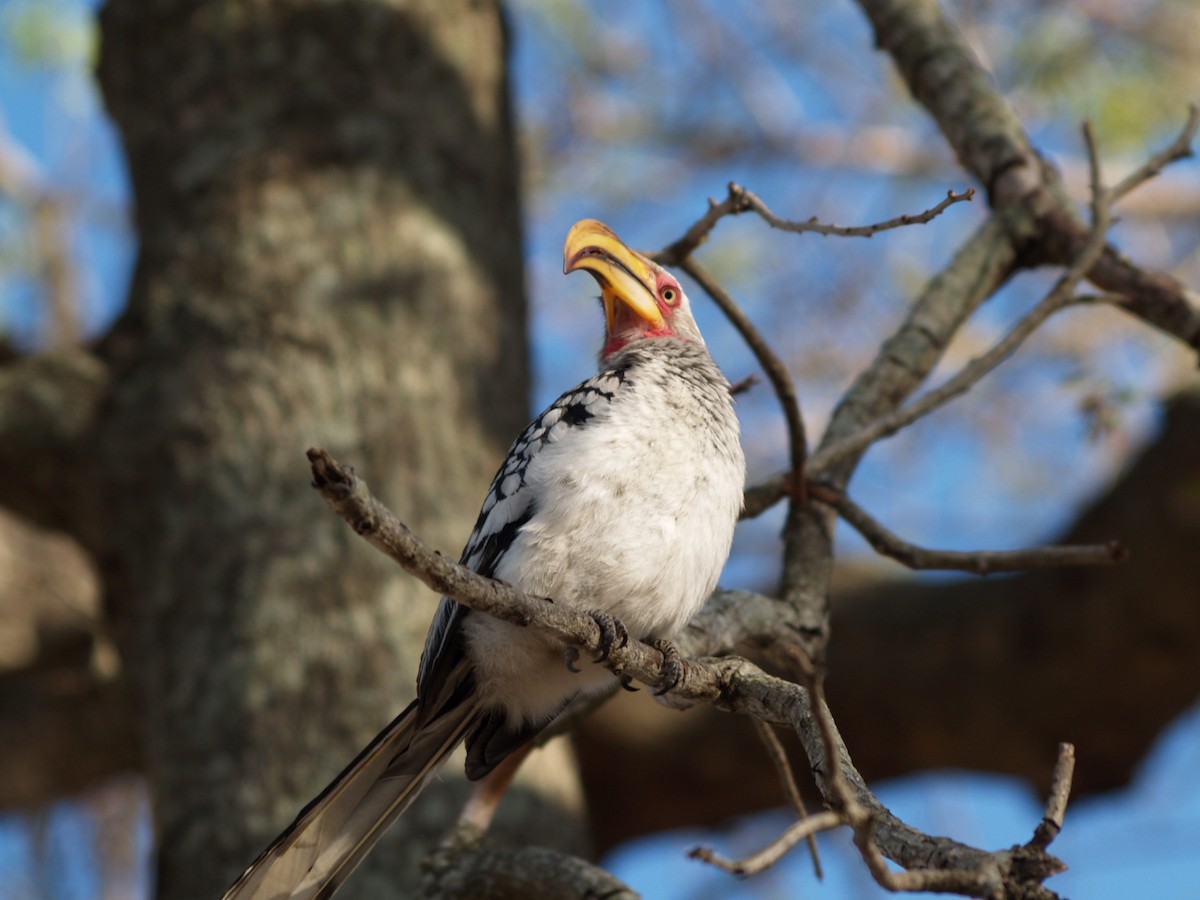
613, 635
672, 666
626, 684
572, 654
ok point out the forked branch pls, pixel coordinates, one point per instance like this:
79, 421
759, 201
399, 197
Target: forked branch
728, 683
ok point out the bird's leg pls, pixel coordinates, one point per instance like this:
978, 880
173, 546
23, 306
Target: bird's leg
672, 665
489, 790
613, 635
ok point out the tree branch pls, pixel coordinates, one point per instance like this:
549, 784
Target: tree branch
738, 200
776, 370
945, 76
906, 358
753, 202
730, 683
1056, 801
980, 562
805, 830
1060, 297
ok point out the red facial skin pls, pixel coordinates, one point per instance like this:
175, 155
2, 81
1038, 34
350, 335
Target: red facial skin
629, 326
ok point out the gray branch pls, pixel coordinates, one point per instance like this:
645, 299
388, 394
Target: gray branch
728, 683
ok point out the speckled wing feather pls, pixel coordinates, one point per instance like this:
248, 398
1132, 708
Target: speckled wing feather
509, 506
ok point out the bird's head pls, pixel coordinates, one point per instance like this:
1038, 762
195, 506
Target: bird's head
641, 298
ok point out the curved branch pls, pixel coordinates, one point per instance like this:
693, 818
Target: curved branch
945, 76
732, 684
777, 372
980, 562
905, 359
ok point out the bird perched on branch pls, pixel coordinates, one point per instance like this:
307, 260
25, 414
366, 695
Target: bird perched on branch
619, 499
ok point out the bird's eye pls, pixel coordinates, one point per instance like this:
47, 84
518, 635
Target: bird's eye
670, 295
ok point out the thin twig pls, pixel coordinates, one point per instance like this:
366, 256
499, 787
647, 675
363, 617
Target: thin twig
738, 200
806, 829
766, 734
784, 769
1060, 297
1056, 801
1180, 148
752, 201
984, 882
729, 683
742, 385
675, 253
777, 373
980, 562
759, 498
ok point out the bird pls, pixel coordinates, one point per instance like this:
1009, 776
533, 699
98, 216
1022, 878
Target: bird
620, 499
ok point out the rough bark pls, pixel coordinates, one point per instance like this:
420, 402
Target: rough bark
330, 253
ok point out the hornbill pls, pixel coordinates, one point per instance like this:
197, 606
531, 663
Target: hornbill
620, 499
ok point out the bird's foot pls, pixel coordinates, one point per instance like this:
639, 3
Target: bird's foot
672, 666
572, 656
613, 635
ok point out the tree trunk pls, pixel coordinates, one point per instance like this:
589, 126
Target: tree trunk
330, 255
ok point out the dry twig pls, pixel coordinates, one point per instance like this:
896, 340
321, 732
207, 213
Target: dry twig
1056, 800
753, 202
980, 562
1060, 297
777, 372
729, 683
805, 829
738, 200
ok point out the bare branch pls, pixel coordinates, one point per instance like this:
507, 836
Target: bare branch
742, 385
1060, 297
761, 497
729, 683
739, 200
985, 878
779, 757
675, 253
805, 829
991, 143
1056, 801
753, 202
980, 562
777, 373
1180, 148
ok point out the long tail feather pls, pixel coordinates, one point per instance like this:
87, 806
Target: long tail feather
333, 834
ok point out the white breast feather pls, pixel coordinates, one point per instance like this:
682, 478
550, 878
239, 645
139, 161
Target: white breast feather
633, 515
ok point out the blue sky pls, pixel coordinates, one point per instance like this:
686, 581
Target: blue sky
1143, 841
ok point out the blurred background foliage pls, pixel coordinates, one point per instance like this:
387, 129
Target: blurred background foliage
635, 113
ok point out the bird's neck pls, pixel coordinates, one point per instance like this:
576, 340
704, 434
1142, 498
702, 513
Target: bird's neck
615, 343
670, 352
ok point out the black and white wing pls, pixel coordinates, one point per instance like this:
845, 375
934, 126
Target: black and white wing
509, 506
